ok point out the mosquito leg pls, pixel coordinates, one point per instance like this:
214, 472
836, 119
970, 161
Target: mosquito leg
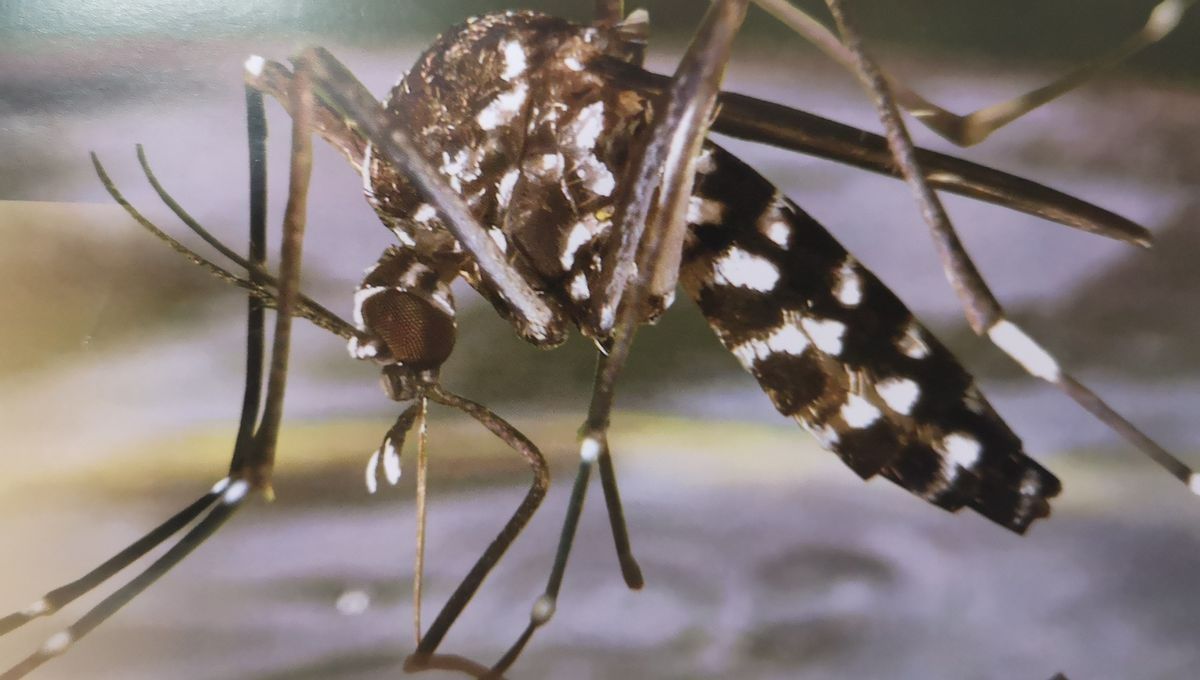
217, 505
666, 160
175, 245
698, 79
58, 598
422, 488
616, 520
256, 133
231, 497
275, 79
983, 311
673, 139
533, 498
307, 308
762, 121
260, 278
454, 662
254, 450
975, 127
255, 462
594, 450
680, 129
253, 265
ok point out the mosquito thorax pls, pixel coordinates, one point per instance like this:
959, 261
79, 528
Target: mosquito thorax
466, 101
512, 112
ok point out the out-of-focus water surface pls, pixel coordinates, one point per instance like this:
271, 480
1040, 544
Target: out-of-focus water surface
120, 370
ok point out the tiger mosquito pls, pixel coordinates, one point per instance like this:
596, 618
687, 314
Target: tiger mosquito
537, 160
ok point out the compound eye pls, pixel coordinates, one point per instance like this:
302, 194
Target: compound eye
416, 333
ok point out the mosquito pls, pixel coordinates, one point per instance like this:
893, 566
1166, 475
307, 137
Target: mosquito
536, 159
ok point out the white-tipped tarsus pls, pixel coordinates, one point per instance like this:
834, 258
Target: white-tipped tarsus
589, 450
1025, 350
39, 608
57, 644
236, 492
254, 65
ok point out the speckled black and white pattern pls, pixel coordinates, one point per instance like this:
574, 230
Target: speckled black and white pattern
511, 110
835, 349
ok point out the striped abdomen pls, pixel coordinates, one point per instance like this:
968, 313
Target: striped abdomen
835, 349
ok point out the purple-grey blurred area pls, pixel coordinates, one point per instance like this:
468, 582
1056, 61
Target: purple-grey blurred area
121, 369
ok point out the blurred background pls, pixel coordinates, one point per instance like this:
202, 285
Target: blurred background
120, 377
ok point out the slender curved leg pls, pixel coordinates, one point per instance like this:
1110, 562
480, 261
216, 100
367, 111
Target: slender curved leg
983, 311
970, 129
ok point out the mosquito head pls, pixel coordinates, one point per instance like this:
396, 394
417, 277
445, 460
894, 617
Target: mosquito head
414, 331
405, 307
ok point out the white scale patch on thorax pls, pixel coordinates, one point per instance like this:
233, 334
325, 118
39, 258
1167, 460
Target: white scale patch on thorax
412, 276
581, 233
596, 177
514, 60
586, 127
504, 187
578, 289
551, 163
424, 213
737, 267
462, 166
504, 108
584, 131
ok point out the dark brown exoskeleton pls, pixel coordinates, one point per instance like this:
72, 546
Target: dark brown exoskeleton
519, 119
534, 158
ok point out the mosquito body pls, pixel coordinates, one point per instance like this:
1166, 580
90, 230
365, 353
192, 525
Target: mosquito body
538, 141
535, 159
